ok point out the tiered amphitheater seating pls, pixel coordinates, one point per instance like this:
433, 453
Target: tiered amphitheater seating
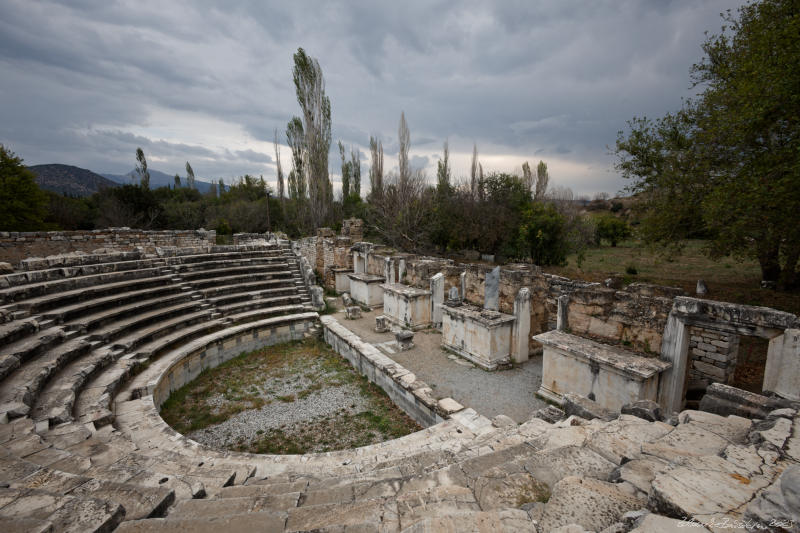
70, 337
82, 447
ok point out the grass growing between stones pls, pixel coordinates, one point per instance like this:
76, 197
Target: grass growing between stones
293, 398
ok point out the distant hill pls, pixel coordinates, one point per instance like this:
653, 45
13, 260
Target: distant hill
157, 179
69, 180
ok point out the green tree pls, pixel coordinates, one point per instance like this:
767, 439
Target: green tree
189, 176
346, 171
141, 169
542, 233
611, 229
23, 205
316, 120
732, 151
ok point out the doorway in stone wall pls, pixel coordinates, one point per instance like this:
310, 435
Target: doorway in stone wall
751, 359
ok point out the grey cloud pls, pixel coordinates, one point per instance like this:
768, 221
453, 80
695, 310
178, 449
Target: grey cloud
554, 78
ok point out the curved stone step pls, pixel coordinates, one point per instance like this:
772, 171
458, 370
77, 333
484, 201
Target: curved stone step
85, 311
42, 304
275, 269
119, 328
41, 296
17, 353
20, 389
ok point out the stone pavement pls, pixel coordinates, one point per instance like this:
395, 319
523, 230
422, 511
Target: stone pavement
508, 392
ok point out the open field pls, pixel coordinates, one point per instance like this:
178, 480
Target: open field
727, 279
293, 398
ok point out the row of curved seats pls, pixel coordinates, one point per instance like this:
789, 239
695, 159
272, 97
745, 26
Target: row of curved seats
73, 336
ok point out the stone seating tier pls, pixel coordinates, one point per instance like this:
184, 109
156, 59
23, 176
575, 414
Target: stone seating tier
126, 469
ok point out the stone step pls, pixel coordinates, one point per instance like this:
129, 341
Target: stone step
201, 258
233, 506
138, 305
64, 513
268, 268
228, 263
278, 279
42, 297
278, 285
16, 353
115, 330
258, 314
24, 385
266, 522
260, 303
178, 336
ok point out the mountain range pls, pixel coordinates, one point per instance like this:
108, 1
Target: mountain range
69, 180
74, 181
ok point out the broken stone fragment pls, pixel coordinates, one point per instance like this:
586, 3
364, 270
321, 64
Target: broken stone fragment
645, 409
575, 404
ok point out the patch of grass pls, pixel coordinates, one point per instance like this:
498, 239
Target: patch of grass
250, 381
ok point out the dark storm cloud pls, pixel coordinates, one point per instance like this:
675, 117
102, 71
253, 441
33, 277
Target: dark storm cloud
86, 82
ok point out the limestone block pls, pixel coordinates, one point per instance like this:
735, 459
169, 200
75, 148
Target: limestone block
779, 504
575, 404
353, 312
381, 324
699, 493
590, 503
551, 466
448, 406
653, 523
491, 291
644, 409
622, 439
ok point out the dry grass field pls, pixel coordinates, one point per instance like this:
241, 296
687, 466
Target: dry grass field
727, 279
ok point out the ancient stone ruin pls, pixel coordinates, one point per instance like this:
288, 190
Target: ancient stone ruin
91, 344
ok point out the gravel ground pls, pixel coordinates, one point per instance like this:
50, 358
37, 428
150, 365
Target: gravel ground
509, 392
245, 426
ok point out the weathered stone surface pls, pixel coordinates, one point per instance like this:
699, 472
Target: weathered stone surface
553, 465
733, 428
780, 503
590, 503
645, 409
491, 292
575, 404
509, 491
551, 414
726, 400
686, 440
621, 440
653, 523
699, 493
260, 521
499, 521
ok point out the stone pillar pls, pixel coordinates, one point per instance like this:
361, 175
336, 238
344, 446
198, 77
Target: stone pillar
437, 299
521, 331
388, 270
401, 271
491, 290
782, 372
463, 279
674, 349
561, 315
357, 263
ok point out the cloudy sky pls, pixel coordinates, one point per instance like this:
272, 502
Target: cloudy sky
85, 82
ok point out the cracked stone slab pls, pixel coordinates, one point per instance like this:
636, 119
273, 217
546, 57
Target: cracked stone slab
688, 492
622, 439
589, 503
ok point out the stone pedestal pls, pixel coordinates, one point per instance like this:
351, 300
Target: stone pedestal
366, 289
609, 375
481, 336
406, 306
341, 279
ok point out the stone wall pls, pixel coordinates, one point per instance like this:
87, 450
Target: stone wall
635, 316
15, 246
713, 355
